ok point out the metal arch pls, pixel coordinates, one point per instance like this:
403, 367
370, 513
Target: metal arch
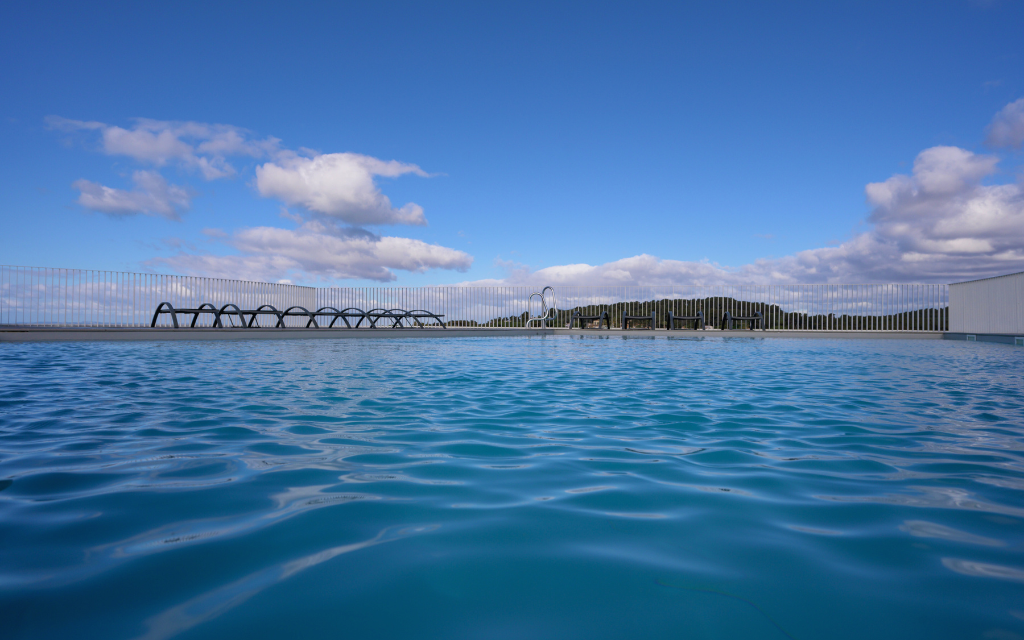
396, 315
320, 312
373, 316
420, 313
159, 310
399, 315
345, 315
217, 322
206, 307
305, 312
260, 310
361, 315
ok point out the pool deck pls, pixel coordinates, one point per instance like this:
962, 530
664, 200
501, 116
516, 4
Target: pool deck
10, 333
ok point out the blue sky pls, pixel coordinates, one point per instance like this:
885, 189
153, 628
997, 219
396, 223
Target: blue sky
562, 143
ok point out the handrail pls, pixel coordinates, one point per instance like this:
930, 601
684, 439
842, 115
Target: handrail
544, 316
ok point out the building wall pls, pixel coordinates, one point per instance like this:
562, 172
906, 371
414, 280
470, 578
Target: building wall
992, 305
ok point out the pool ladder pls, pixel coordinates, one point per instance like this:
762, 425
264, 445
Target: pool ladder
546, 312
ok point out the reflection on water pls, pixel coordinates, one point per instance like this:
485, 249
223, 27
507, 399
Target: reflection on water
213, 603
540, 487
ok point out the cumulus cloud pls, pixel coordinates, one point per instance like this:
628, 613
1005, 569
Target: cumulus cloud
152, 195
193, 145
319, 251
336, 194
336, 186
1007, 128
938, 224
339, 186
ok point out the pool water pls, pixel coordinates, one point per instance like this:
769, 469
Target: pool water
543, 487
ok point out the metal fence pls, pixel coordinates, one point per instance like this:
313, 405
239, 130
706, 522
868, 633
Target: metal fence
459, 306
40, 296
808, 307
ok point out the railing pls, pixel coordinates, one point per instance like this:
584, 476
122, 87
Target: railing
35, 296
808, 307
41, 296
460, 306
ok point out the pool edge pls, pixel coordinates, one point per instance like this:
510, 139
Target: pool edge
70, 334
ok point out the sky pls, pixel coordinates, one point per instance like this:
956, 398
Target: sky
409, 144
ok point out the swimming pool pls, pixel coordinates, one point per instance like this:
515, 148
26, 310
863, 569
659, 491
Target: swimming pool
546, 487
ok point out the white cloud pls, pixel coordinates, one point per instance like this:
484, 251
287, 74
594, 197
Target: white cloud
939, 224
66, 124
334, 190
193, 145
340, 186
336, 186
1007, 128
333, 187
146, 144
317, 252
253, 268
642, 269
152, 195
939, 172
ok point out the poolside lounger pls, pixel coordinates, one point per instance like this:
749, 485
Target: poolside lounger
582, 318
728, 319
697, 320
651, 317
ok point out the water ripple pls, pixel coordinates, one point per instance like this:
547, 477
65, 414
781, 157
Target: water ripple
543, 487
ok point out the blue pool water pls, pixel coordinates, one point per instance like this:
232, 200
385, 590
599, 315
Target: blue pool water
549, 487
